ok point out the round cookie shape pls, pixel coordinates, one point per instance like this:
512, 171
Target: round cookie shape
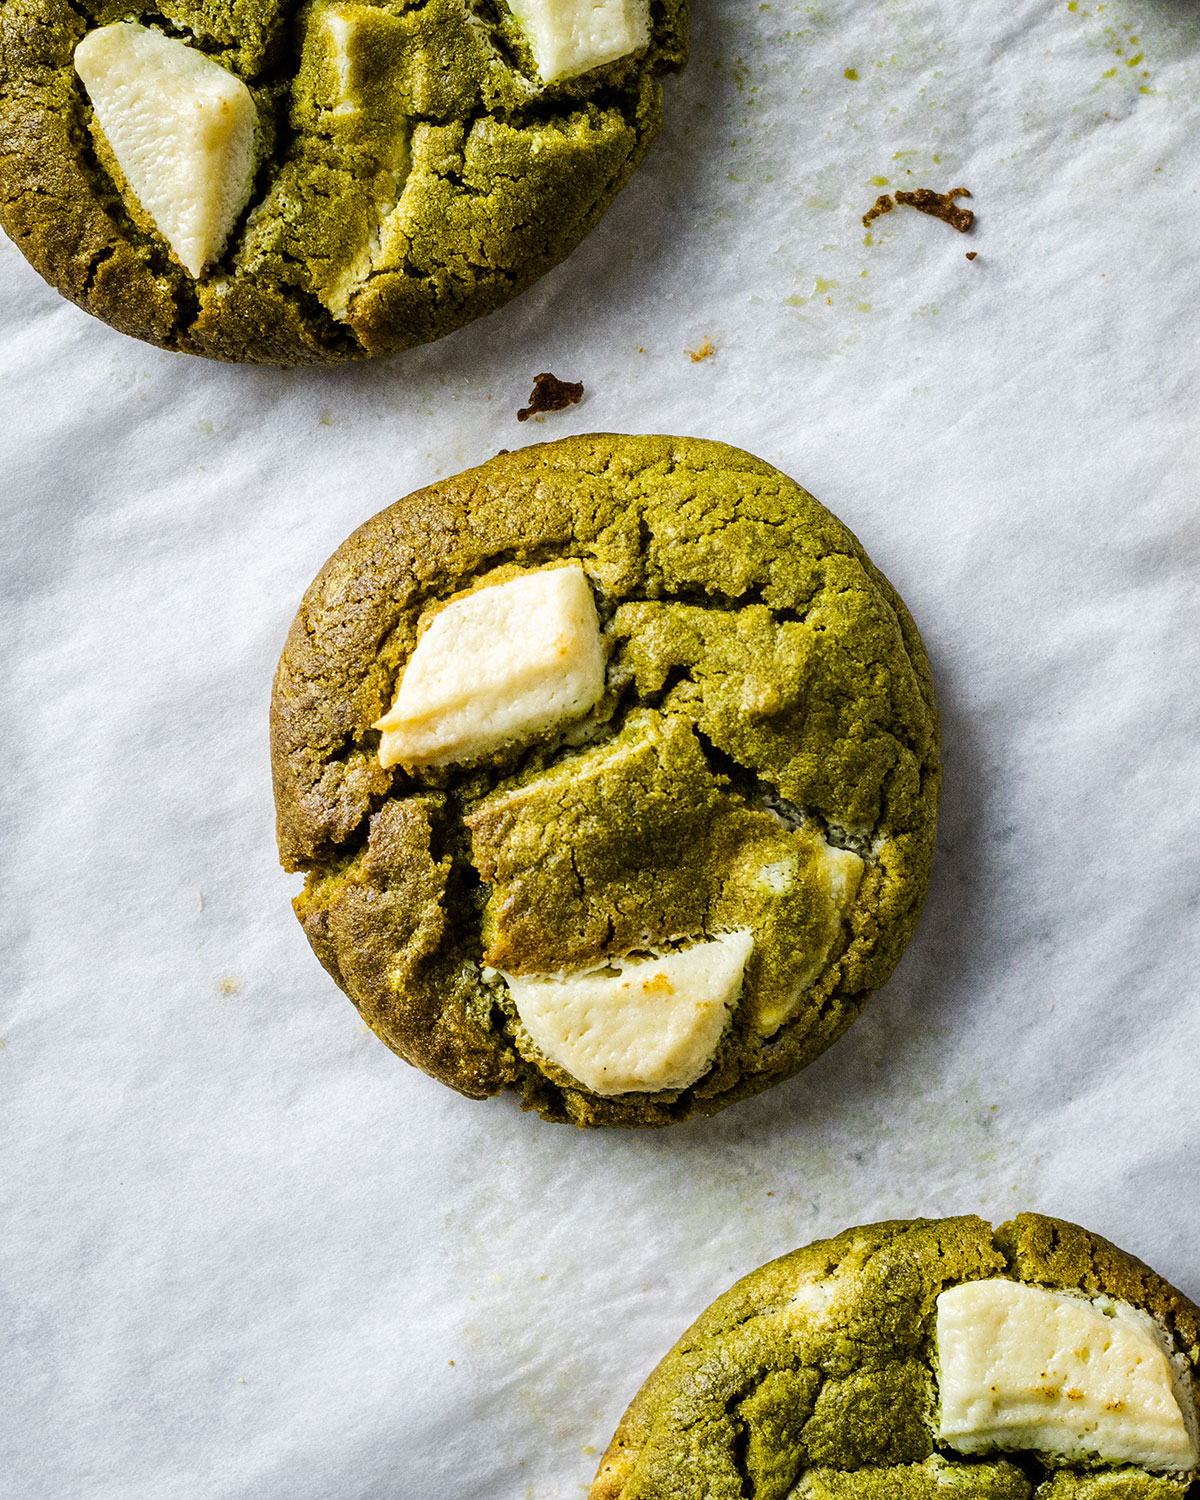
279, 184
848, 1371
613, 768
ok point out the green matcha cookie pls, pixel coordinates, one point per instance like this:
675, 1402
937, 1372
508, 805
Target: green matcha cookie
613, 765
284, 184
938, 1358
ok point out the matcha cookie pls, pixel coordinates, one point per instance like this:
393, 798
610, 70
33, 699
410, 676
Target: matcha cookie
285, 184
613, 765
938, 1358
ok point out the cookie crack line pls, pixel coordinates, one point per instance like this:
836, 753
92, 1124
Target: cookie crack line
756, 791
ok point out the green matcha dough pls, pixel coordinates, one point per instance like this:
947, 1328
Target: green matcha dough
406, 169
738, 818
817, 1376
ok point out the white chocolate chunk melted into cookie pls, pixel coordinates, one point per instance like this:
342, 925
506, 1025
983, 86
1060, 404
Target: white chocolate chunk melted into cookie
639, 1024
501, 665
1026, 1368
182, 130
833, 876
359, 110
569, 37
813, 1299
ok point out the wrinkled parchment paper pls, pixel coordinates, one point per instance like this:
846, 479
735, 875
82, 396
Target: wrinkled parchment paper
248, 1253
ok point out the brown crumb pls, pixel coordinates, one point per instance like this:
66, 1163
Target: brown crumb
550, 394
883, 205
971, 254
706, 351
940, 206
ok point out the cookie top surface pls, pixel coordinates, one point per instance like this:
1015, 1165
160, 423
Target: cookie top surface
282, 184
935, 1358
613, 765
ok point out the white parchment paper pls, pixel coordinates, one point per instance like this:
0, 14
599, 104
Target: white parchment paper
248, 1254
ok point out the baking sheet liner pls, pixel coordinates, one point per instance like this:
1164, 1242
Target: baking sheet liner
247, 1252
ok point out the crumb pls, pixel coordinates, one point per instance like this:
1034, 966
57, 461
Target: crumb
971, 254
706, 351
550, 394
229, 985
940, 206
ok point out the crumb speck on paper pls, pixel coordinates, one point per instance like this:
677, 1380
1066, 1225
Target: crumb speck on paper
706, 350
229, 984
550, 394
851, 74
325, 419
940, 206
925, 200
971, 254
199, 900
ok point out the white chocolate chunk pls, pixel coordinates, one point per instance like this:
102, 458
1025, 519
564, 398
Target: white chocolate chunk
338, 32
640, 1024
182, 130
569, 37
501, 665
1026, 1368
843, 870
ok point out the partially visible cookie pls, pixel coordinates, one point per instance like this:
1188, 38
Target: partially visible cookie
263, 182
925, 1361
613, 765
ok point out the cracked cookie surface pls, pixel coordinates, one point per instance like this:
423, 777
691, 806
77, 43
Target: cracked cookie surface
411, 170
762, 759
817, 1376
